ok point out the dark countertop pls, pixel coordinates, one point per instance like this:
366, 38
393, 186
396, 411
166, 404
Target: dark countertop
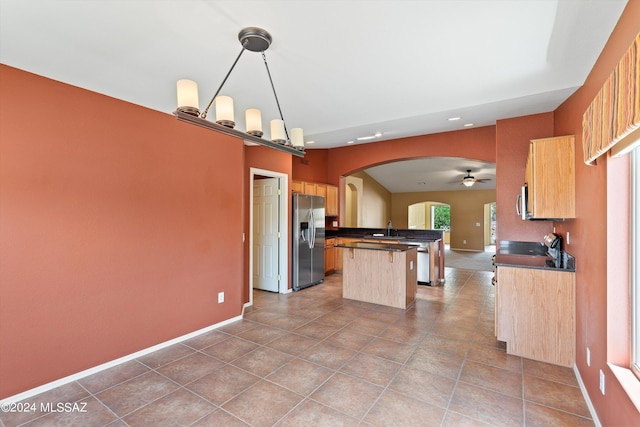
389, 247
532, 255
400, 234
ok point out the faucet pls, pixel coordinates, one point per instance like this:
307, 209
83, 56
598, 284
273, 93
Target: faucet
389, 228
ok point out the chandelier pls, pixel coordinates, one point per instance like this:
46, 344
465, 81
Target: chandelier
255, 40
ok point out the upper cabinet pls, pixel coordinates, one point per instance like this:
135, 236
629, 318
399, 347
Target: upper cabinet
331, 201
329, 192
297, 186
550, 178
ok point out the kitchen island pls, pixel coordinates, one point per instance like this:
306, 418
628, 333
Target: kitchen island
379, 273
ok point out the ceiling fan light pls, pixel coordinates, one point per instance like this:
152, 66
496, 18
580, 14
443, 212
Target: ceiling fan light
468, 182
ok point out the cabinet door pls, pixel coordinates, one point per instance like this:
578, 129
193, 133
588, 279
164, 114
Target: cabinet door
321, 190
297, 186
536, 314
331, 201
310, 188
329, 255
551, 183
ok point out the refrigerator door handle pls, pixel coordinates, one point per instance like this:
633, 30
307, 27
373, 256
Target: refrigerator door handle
312, 231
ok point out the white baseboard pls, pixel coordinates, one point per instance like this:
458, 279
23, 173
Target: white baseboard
74, 377
583, 389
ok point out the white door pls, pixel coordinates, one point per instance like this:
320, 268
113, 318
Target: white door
265, 234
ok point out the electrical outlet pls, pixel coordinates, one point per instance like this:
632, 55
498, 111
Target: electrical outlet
568, 238
588, 357
464, 242
410, 265
220, 297
601, 382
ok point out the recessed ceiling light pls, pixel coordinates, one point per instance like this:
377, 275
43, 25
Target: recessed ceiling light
453, 119
468, 125
365, 138
310, 142
349, 142
378, 134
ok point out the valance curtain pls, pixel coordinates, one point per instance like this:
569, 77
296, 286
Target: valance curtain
615, 111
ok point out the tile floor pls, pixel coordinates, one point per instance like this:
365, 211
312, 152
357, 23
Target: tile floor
311, 358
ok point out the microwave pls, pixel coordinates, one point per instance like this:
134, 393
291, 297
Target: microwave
523, 207
522, 203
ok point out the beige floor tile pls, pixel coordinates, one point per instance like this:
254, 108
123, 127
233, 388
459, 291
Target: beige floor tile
487, 406
310, 413
178, 408
422, 385
223, 384
300, 376
263, 404
555, 395
372, 368
395, 409
349, 395
496, 379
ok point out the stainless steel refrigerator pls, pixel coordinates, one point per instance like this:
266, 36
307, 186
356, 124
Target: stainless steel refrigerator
308, 241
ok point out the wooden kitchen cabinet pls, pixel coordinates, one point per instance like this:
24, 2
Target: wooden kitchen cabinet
329, 255
535, 313
331, 201
329, 192
321, 190
310, 188
297, 186
550, 178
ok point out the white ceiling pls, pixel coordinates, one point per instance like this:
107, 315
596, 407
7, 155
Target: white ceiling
441, 174
342, 69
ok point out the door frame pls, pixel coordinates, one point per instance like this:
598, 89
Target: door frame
283, 226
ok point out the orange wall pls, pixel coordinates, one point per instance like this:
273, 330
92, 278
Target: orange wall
312, 167
512, 148
118, 227
589, 235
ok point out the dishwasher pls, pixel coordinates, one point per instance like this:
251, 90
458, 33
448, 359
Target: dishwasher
423, 264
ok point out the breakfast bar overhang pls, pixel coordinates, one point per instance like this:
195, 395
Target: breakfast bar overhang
380, 273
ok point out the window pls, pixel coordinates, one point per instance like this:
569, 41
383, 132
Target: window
441, 217
635, 260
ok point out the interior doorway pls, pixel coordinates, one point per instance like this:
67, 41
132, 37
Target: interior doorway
490, 226
272, 220
352, 205
430, 215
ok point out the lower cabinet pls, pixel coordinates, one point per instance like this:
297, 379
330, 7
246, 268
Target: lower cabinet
329, 255
535, 313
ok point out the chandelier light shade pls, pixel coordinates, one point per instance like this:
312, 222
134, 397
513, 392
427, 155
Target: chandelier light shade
253, 119
297, 138
255, 40
188, 96
224, 111
278, 133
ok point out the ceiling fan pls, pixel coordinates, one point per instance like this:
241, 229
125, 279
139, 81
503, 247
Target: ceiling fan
469, 180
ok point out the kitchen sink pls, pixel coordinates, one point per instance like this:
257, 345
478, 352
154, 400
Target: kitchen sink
373, 236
